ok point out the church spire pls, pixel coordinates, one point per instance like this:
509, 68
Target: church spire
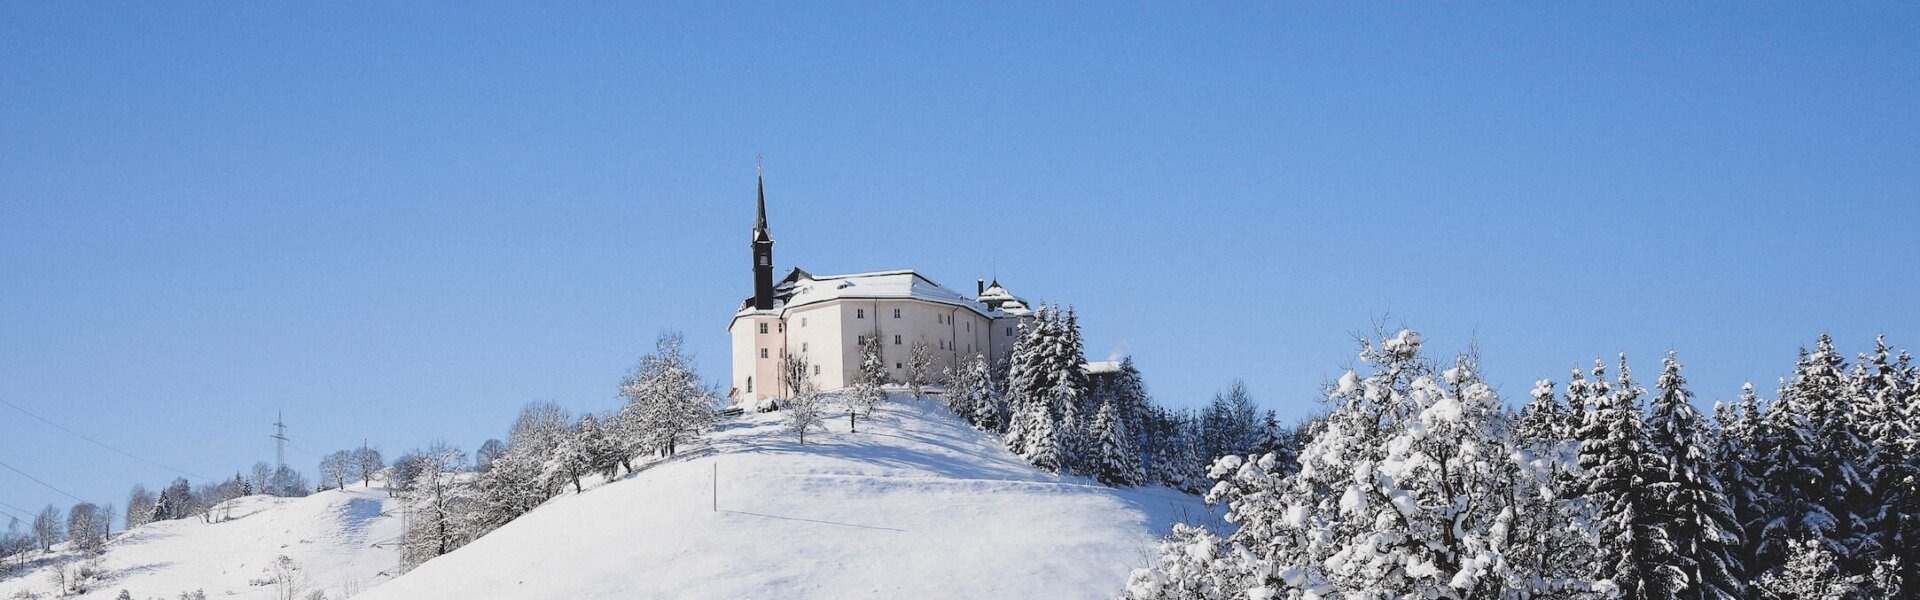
762, 249
760, 175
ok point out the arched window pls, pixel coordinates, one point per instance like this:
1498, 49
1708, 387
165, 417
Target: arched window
749, 385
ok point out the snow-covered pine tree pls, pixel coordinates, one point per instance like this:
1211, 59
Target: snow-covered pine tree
1551, 516
1823, 388
1690, 505
1402, 492
1792, 483
1045, 447
972, 395
1130, 402
1616, 454
1116, 462
1881, 403
1739, 470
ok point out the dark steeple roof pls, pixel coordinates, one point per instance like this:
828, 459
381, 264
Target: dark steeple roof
760, 226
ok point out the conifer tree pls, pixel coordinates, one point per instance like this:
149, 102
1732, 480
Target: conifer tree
1691, 506
1117, 463
1739, 467
1615, 452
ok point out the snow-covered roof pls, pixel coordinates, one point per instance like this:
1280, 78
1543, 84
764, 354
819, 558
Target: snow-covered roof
900, 284
1096, 367
800, 288
998, 298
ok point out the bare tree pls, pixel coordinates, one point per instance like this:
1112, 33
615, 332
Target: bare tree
335, 468
367, 462
919, 369
804, 403
47, 529
86, 526
867, 393
139, 506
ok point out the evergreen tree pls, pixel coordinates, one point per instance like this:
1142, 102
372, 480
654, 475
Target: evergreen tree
1740, 469
1880, 396
1117, 463
1615, 452
1690, 504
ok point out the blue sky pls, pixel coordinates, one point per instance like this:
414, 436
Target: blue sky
399, 223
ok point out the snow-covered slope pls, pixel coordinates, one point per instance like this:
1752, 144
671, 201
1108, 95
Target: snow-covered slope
340, 541
915, 505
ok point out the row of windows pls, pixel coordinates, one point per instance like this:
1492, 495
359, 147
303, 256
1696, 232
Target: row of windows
861, 313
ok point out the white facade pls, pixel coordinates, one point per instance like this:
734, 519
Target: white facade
824, 318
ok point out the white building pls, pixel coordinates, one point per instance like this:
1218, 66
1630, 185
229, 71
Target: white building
825, 318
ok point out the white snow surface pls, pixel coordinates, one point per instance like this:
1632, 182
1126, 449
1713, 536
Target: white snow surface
914, 505
340, 540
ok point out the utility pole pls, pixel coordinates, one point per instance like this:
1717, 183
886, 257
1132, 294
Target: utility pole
279, 442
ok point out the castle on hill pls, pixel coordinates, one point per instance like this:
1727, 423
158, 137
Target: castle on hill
826, 318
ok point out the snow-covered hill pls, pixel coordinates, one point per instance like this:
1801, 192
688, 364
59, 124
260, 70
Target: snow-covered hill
915, 505
339, 541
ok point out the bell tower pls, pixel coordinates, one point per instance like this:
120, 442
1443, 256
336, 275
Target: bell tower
762, 251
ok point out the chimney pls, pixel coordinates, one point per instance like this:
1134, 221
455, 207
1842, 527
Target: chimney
979, 288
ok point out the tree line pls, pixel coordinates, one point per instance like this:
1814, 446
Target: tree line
449, 501
1057, 416
1422, 482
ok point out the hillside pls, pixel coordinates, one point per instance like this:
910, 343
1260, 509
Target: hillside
914, 505
339, 540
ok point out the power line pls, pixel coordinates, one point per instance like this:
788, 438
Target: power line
100, 443
24, 514
37, 480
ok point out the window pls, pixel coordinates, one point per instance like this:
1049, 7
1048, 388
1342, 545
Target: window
766, 261
939, 318
862, 340
816, 369
1009, 330
763, 353
896, 340
783, 353
969, 326
896, 313
803, 346
859, 313
749, 385
899, 366
783, 327
763, 329
803, 321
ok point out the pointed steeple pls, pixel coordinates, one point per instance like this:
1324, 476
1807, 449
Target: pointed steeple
762, 249
761, 225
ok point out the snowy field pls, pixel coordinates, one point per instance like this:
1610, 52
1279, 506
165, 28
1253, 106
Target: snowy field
340, 541
915, 505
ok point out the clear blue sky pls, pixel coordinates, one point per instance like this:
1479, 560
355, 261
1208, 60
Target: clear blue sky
400, 222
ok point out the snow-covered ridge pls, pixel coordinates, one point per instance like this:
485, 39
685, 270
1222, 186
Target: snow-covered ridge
337, 541
916, 504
